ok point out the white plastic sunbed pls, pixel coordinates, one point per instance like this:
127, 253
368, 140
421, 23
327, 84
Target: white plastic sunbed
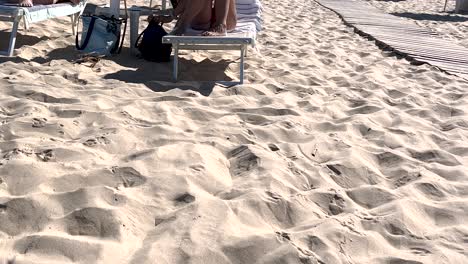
243, 36
29, 15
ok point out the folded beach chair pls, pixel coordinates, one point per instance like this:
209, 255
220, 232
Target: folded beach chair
249, 22
29, 15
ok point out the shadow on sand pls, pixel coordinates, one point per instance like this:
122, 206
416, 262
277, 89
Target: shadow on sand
197, 76
432, 17
158, 76
21, 40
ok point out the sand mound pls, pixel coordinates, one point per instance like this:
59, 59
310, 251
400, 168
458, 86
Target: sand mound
333, 152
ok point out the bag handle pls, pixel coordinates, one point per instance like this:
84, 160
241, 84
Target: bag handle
88, 35
139, 37
118, 48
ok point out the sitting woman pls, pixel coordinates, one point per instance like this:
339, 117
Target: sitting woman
29, 3
215, 19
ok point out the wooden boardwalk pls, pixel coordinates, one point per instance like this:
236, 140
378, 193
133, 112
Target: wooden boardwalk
402, 36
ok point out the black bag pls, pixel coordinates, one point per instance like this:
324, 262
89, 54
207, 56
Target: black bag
151, 46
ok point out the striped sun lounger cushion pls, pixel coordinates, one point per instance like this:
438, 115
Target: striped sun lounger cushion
40, 12
249, 11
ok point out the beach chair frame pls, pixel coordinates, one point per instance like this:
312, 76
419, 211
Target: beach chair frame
239, 41
16, 15
236, 41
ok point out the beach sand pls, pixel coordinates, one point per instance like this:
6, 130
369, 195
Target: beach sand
334, 151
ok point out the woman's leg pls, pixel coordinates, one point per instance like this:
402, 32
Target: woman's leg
191, 13
225, 17
231, 19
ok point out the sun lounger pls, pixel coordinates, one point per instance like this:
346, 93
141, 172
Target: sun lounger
242, 37
38, 13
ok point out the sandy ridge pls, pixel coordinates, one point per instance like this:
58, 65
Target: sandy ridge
334, 152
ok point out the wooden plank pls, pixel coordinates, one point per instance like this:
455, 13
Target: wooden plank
436, 50
423, 46
428, 52
401, 35
435, 46
397, 30
426, 39
458, 65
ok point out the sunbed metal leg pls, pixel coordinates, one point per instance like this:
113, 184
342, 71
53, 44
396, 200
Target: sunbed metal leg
134, 25
241, 77
73, 21
14, 30
175, 69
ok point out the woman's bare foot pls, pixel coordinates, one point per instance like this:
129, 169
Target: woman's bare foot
26, 3
218, 30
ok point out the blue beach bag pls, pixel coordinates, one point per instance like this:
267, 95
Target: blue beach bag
100, 35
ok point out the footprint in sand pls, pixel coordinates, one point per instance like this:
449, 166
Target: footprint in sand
129, 176
95, 222
96, 141
242, 160
45, 98
420, 251
389, 159
397, 228
139, 155
336, 205
273, 147
431, 191
370, 196
53, 246
407, 178
282, 236
394, 260
20, 215
435, 156
46, 155
185, 198
68, 113
39, 122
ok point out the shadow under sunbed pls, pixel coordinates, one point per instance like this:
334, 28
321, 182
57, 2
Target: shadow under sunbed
158, 76
21, 40
432, 17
